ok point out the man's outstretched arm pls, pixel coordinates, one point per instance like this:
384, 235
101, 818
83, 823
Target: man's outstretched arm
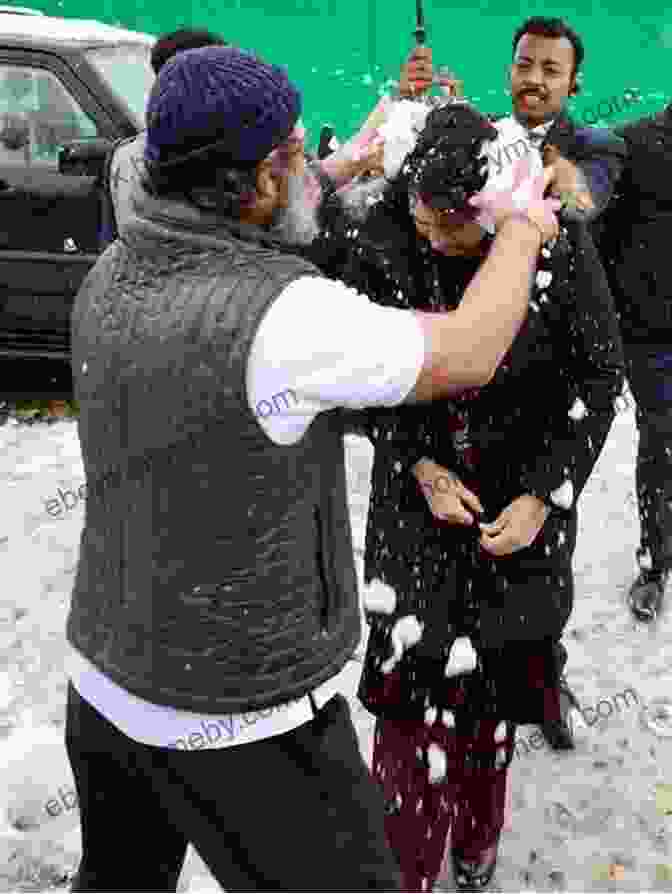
465, 346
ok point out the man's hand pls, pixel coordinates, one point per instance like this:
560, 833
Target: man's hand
449, 500
567, 182
370, 161
516, 527
352, 160
417, 73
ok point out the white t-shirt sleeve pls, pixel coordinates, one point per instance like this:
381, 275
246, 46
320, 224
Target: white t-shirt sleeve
323, 345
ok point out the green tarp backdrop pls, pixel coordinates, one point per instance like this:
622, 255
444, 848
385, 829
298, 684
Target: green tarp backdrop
343, 51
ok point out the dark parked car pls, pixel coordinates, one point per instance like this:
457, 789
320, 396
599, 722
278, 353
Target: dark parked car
68, 90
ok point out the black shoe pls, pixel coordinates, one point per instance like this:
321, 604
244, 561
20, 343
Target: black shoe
558, 733
472, 875
646, 595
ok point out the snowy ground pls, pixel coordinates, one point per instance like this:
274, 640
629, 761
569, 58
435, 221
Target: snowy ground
572, 815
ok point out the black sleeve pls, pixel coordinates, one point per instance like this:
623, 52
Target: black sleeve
595, 370
599, 154
610, 228
332, 250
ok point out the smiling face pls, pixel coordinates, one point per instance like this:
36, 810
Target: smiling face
542, 77
453, 238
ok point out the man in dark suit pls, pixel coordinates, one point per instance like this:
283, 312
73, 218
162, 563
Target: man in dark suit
547, 57
634, 243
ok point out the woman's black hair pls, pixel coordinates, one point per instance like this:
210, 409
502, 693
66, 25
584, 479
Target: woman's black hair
445, 167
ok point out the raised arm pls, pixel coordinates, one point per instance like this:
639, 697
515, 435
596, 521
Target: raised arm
464, 347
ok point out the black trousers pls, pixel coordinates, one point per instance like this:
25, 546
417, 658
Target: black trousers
297, 812
650, 377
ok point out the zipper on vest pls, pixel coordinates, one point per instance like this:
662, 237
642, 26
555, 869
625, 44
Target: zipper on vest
326, 604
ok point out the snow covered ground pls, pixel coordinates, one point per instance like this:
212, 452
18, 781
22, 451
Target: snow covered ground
573, 816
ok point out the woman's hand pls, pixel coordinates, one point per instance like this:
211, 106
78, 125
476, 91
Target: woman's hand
449, 500
516, 527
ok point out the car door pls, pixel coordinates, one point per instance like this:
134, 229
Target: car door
49, 222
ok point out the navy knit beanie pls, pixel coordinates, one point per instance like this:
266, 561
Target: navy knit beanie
219, 98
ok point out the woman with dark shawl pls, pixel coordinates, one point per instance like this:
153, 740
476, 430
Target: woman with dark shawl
472, 520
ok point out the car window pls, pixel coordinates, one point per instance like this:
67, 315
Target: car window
37, 116
128, 72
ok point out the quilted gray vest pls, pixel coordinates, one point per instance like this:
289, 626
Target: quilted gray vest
216, 571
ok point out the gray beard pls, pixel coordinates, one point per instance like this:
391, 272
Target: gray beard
358, 197
297, 223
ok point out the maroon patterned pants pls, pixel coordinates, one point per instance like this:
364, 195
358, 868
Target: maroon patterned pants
468, 801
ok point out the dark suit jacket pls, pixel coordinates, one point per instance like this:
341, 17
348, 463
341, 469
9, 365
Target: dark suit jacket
599, 153
634, 234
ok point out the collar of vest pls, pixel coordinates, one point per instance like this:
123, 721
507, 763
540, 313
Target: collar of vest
174, 219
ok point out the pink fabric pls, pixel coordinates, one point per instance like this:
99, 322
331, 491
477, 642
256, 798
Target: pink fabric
420, 813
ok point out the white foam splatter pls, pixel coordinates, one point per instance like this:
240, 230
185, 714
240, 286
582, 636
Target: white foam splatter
438, 763
462, 658
449, 719
380, 597
405, 633
430, 716
563, 496
578, 410
400, 132
544, 279
500, 732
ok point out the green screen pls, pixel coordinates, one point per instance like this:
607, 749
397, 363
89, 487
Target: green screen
342, 52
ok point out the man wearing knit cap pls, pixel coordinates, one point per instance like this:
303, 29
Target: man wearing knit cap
322, 176
121, 156
215, 605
